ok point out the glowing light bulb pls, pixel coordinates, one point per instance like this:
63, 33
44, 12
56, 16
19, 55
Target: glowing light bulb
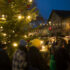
28, 17
13, 31
1, 27
4, 34
15, 44
25, 36
19, 17
42, 42
50, 22
3, 17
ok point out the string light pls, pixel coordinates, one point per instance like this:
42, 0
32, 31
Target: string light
42, 42
15, 44
43, 47
4, 34
1, 27
50, 22
28, 17
3, 17
25, 36
13, 31
19, 17
4, 42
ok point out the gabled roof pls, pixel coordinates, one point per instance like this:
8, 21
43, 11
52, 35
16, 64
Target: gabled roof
60, 13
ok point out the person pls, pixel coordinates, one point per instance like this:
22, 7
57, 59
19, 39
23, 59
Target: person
36, 60
5, 63
52, 64
20, 57
61, 56
68, 47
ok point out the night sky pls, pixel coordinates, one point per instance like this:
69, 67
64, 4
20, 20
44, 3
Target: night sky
46, 6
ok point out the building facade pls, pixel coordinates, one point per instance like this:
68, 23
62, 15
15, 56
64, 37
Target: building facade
59, 21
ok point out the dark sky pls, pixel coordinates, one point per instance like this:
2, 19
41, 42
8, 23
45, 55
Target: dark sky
46, 6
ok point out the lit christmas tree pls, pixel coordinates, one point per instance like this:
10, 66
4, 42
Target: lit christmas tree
15, 16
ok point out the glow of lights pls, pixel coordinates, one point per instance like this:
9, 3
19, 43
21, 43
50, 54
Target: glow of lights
42, 42
1, 27
15, 44
66, 39
43, 47
49, 22
30, 1
19, 17
28, 17
3, 17
13, 31
4, 42
4, 34
25, 36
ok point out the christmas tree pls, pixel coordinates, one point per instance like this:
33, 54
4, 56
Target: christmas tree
15, 16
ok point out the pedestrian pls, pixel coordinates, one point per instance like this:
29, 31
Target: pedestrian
62, 56
68, 47
36, 60
5, 63
20, 57
52, 63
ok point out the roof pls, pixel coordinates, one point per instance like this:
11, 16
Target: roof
61, 13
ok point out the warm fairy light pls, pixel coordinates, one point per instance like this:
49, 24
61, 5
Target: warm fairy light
30, 0
25, 36
4, 34
13, 31
1, 27
4, 42
28, 17
3, 17
42, 42
50, 22
43, 47
15, 44
19, 17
